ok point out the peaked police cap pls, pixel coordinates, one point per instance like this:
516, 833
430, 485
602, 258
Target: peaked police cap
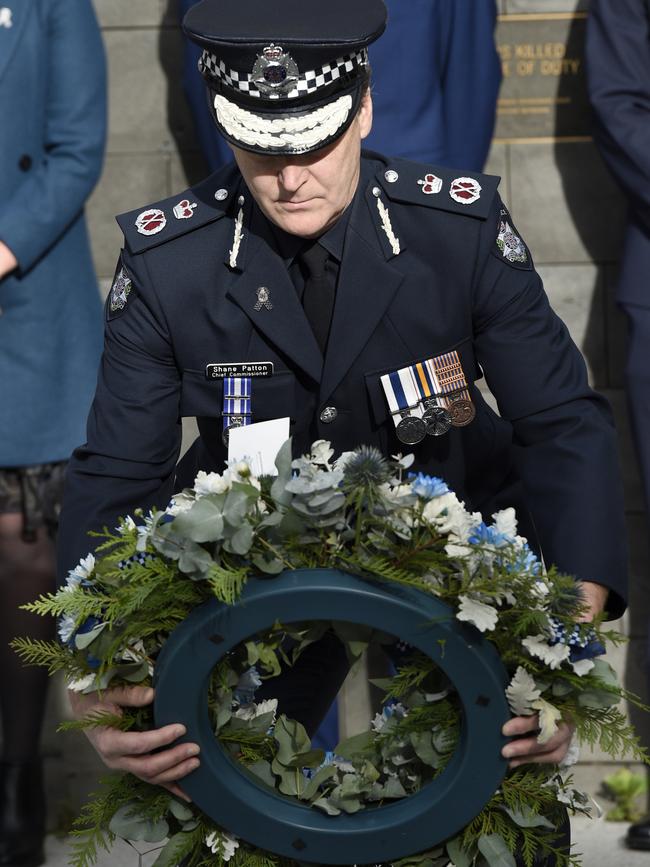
284, 77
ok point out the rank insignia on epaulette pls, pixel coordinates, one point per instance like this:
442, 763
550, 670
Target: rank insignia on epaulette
510, 244
151, 222
465, 191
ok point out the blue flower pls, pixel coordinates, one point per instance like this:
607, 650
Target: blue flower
428, 487
249, 682
484, 535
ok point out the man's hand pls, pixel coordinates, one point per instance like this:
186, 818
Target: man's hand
8, 261
133, 751
595, 596
525, 750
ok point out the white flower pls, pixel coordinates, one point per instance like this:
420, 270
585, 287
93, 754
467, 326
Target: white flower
551, 655
223, 843
66, 626
321, 453
522, 692
179, 503
540, 588
80, 684
127, 524
505, 522
483, 616
548, 719
81, 572
582, 666
253, 710
573, 753
341, 462
211, 483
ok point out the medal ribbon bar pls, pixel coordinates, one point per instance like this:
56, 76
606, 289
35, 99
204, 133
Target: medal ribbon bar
237, 395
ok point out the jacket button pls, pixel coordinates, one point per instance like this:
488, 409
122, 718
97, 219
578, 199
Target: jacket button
25, 163
329, 414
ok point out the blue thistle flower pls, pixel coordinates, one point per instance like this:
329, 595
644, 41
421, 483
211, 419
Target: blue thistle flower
365, 468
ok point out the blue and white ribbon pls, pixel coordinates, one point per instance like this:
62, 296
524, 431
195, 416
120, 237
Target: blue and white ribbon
402, 394
237, 394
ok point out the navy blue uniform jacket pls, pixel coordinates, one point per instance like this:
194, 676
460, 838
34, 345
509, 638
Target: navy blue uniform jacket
448, 287
618, 67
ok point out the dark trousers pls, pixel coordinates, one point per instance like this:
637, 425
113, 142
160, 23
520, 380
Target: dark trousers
637, 382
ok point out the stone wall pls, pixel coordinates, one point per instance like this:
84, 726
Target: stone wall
559, 192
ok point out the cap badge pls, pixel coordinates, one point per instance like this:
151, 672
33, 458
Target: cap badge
151, 222
465, 190
430, 184
275, 71
184, 209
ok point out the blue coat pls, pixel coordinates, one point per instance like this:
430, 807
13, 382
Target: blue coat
436, 76
53, 110
452, 279
618, 67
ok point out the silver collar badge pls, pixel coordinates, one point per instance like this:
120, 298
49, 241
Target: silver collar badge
5, 17
275, 71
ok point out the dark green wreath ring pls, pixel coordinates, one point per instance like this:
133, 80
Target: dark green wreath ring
238, 803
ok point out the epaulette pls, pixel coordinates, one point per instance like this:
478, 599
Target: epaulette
461, 192
177, 215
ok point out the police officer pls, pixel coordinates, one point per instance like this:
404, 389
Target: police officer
374, 291
618, 75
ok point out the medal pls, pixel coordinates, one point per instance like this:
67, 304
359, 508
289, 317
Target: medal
437, 421
411, 430
461, 411
403, 403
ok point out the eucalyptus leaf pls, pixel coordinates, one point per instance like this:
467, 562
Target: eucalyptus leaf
291, 738
355, 745
326, 806
422, 743
262, 770
190, 825
173, 851
267, 564
180, 811
327, 772
493, 847
597, 699
85, 639
528, 819
458, 855
133, 672
241, 541
236, 507
126, 823
561, 688
203, 522
311, 759
194, 560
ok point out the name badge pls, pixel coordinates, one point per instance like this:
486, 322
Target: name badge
239, 369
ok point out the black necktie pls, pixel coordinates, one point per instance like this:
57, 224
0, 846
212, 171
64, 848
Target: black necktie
319, 292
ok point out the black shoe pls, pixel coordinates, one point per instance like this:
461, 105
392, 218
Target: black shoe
22, 814
638, 835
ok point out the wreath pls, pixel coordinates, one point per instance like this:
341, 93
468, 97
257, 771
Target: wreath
369, 517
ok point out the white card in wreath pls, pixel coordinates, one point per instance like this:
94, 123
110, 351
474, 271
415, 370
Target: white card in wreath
258, 444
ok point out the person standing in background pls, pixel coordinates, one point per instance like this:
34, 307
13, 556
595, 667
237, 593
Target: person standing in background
618, 75
436, 77
52, 134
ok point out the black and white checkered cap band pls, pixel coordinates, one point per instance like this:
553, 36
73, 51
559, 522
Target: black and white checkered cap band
308, 82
